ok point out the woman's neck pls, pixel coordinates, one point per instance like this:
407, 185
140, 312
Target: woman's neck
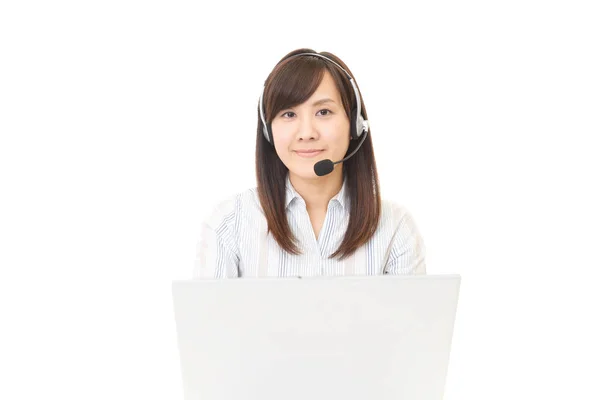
319, 191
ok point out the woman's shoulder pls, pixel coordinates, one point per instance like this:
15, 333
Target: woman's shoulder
232, 206
395, 214
393, 209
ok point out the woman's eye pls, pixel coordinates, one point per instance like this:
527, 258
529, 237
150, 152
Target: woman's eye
290, 114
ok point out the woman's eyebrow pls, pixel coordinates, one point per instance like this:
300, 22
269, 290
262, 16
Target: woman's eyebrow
322, 101
316, 103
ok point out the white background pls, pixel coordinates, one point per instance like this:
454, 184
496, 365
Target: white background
122, 123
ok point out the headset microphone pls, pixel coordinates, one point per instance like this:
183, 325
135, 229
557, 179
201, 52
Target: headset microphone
325, 167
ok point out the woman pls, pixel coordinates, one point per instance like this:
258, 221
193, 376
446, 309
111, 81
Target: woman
307, 218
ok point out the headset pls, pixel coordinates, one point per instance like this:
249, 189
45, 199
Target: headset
359, 127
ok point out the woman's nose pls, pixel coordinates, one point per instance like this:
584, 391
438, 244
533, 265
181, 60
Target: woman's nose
307, 128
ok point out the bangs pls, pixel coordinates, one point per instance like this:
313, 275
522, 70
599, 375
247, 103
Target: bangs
293, 84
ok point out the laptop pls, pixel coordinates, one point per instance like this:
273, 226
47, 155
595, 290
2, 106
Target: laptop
353, 337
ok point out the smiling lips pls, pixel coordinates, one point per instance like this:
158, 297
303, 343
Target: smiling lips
308, 153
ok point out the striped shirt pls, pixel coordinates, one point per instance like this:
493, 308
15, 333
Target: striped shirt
234, 243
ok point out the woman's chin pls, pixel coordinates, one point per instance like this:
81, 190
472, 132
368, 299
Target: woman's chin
304, 172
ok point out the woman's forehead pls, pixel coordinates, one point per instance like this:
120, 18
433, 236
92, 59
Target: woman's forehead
327, 89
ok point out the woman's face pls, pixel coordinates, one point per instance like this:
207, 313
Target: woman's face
320, 124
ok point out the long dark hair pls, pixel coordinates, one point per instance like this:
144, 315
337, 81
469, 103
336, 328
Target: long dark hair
292, 82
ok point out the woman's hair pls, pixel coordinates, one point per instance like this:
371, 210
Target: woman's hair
291, 83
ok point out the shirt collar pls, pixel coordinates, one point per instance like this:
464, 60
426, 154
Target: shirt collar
291, 194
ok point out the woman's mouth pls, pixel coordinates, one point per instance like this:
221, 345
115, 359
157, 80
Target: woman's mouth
308, 153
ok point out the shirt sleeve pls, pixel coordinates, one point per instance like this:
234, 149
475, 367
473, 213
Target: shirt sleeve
216, 249
407, 254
